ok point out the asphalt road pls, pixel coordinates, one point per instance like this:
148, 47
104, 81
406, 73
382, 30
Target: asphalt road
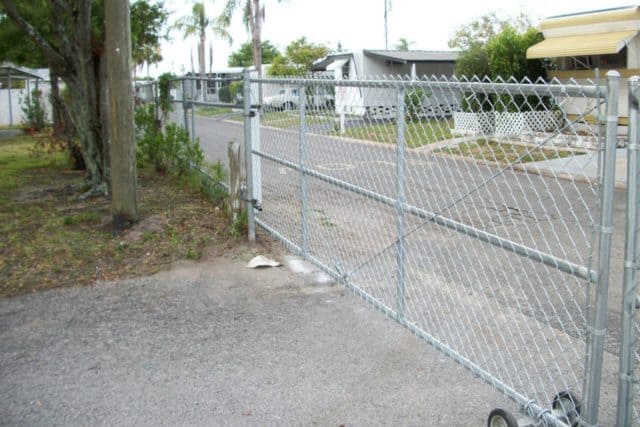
215, 343
515, 317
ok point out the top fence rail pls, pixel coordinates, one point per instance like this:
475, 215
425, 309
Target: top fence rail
497, 87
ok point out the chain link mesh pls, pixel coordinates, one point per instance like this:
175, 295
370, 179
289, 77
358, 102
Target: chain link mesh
515, 161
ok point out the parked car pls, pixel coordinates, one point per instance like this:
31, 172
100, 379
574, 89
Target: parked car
288, 99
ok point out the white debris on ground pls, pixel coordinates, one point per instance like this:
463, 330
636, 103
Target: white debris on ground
262, 261
309, 271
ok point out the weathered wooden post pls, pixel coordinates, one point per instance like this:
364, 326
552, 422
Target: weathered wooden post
235, 181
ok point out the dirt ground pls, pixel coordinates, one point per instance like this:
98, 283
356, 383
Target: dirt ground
51, 238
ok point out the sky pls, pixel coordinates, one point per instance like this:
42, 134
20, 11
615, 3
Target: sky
357, 24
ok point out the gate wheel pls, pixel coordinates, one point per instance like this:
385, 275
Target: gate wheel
569, 405
501, 418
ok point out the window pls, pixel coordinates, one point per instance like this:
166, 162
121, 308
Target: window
345, 71
610, 61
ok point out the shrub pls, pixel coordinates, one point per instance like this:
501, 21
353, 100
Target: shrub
34, 112
165, 83
224, 94
235, 88
171, 151
414, 104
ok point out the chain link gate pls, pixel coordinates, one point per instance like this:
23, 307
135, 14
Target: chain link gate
476, 214
370, 147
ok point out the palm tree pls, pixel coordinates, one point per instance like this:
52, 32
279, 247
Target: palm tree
403, 44
197, 24
253, 16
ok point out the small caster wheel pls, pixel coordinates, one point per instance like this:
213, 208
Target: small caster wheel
567, 404
501, 418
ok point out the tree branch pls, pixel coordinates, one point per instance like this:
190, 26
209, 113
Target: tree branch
61, 9
49, 51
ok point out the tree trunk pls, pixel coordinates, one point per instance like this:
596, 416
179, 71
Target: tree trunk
56, 113
123, 149
256, 41
63, 128
103, 105
85, 98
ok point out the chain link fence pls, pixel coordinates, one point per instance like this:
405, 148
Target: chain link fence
478, 214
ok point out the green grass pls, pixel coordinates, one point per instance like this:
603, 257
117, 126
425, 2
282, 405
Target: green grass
50, 237
417, 134
289, 119
17, 157
503, 152
212, 111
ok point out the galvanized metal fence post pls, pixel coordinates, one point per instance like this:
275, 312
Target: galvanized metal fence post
248, 149
154, 94
10, 103
303, 176
193, 111
400, 204
595, 351
626, 376
185, 114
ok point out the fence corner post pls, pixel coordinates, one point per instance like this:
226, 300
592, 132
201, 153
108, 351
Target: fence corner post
248, 154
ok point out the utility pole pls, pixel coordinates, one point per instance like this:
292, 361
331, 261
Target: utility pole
121, 128
386, 33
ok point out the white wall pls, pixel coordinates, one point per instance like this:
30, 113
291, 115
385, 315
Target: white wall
15, 110
18, 97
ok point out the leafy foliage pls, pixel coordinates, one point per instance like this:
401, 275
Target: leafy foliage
165, 81
493, 47
15, 46
224, 94
480, 30
34, 112
243, 57
147, 23
413, 104
299, 57
197, 24
171, 151
473, 61
228, 93
507, 54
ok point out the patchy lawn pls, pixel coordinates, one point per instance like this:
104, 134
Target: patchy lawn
213, 111
417, 134
504, 152
50, 238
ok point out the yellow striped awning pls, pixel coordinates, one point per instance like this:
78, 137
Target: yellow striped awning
581, 45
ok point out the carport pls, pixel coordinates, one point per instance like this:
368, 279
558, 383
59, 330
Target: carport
9, 73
